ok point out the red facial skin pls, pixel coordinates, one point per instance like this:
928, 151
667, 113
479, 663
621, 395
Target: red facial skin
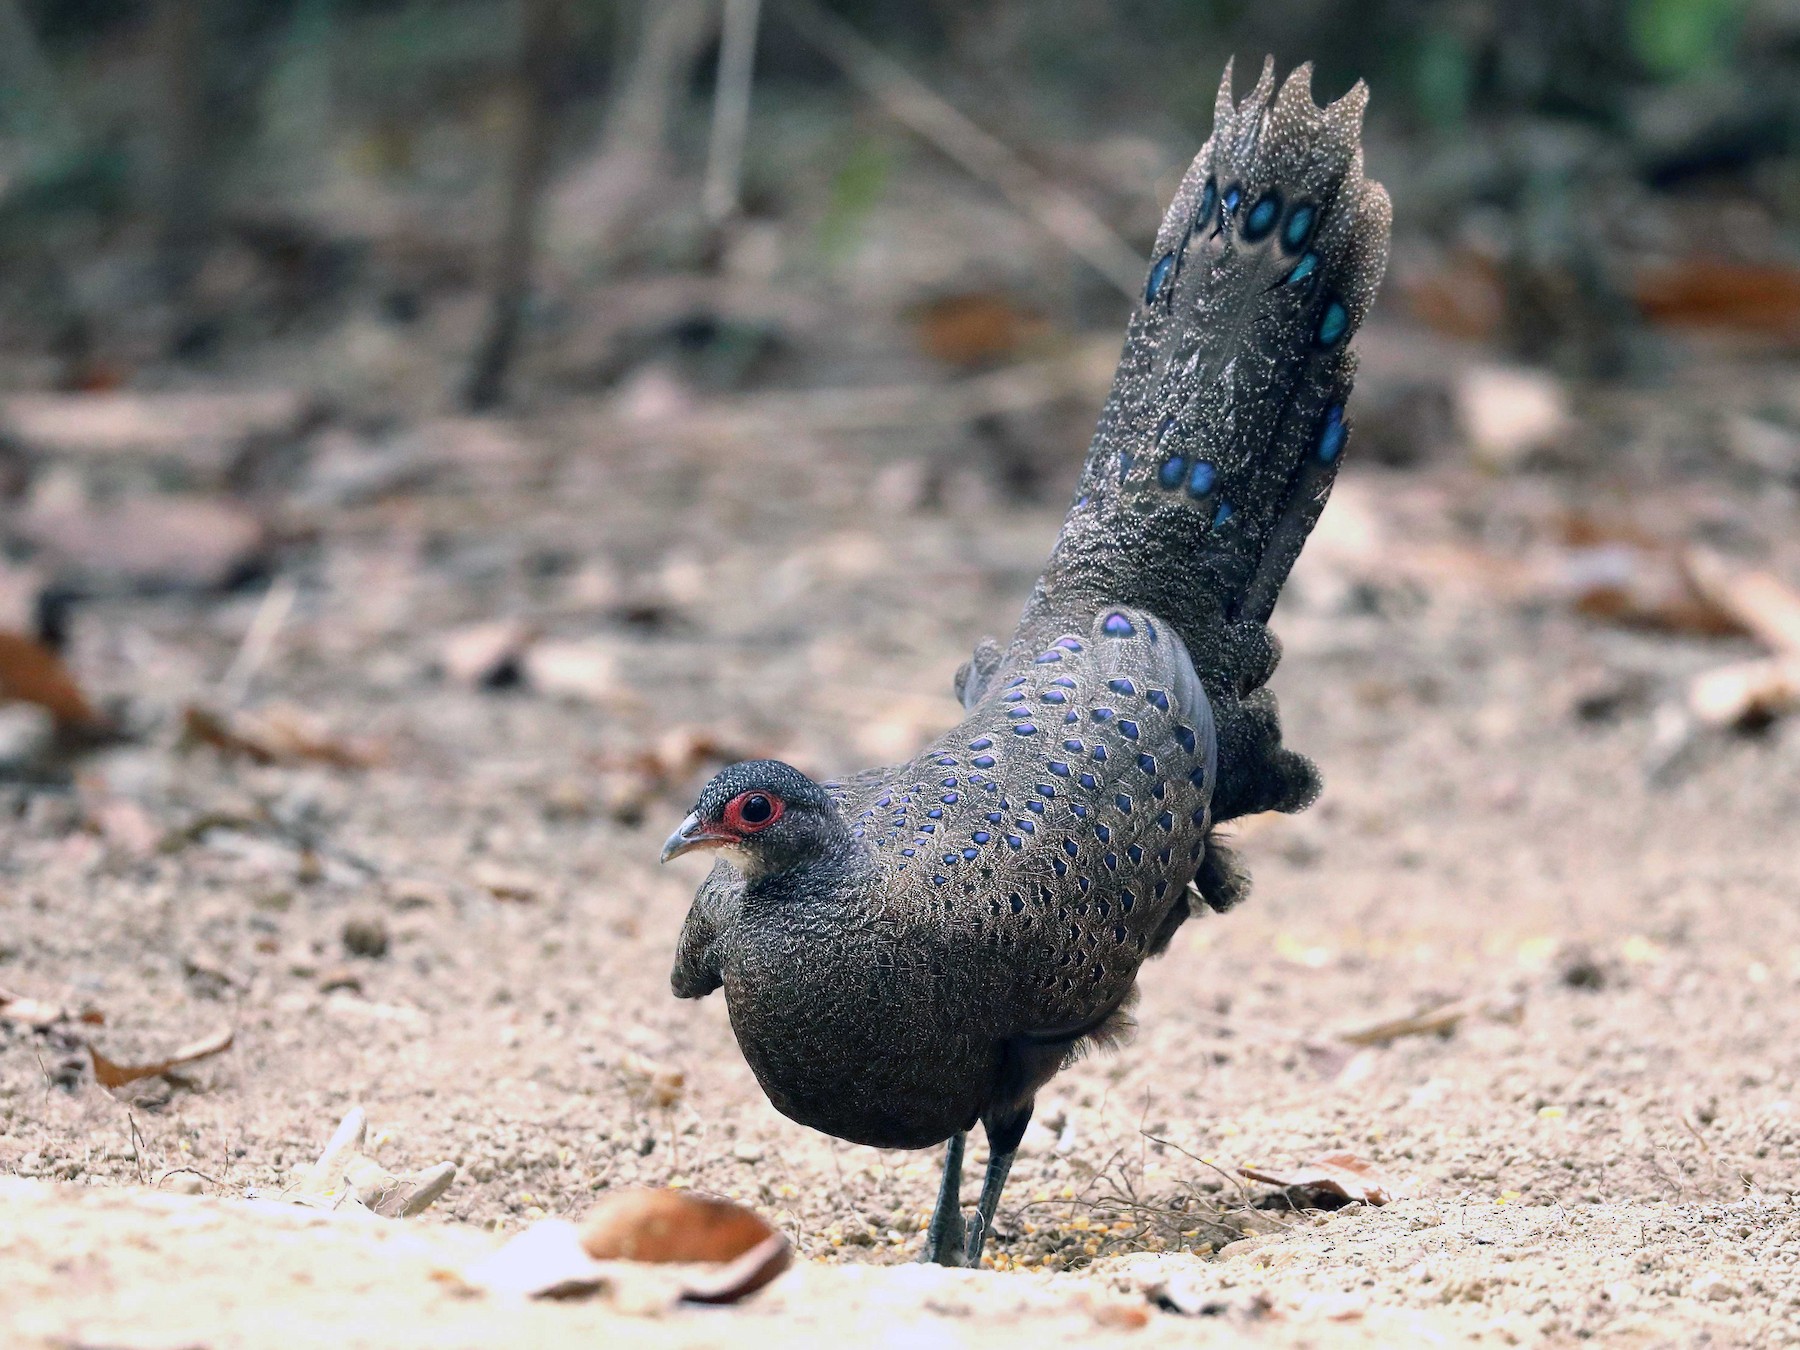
732, 818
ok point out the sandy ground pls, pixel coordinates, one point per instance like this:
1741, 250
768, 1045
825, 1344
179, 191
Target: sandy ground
467, 941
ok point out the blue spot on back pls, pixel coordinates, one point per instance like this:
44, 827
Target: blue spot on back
1332, 434
1232, 197
1303, 269
1121, 686
1299, 225
1332, 326
1158, 275
1117, 625
1170, 474
1222, 515
1209, 200
1200, 481
1261, 219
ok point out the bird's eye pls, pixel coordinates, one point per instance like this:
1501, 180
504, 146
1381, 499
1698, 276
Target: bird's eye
752, 811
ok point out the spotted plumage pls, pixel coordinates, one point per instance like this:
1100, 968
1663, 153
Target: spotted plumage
919, 948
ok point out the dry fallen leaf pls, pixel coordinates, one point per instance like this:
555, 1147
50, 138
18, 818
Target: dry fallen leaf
486, 655
1745, 694
650, 1082
1761, 602
30, 1012
722, 1251
31, 673
179, 542
737, 1280
662, 1226
346, 1175
1716, 293
544, 1261
632, 782
112, 1075
201, 430
975, 330
1341, 1174
276, 736
1639, 585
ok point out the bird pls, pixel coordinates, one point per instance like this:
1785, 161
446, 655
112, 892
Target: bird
916, 949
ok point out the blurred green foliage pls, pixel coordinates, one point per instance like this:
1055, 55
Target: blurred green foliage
1678, 38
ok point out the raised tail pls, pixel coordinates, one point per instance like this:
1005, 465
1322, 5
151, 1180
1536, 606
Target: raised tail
1226, 423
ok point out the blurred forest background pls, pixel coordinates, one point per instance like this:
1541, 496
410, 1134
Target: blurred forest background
191, 186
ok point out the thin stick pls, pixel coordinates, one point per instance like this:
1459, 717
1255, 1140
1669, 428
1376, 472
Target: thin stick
731, 110
271, 614
909, 101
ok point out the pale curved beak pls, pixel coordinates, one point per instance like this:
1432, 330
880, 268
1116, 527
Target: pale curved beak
692, 835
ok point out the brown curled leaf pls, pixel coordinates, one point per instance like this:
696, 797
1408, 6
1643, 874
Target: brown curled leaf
112, 1075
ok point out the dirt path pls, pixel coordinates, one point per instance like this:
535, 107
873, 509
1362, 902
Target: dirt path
468, 941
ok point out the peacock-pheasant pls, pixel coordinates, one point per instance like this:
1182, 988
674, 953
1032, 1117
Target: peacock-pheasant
919, 948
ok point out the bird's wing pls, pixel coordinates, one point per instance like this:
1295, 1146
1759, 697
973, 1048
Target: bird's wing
1055, 830
698, 960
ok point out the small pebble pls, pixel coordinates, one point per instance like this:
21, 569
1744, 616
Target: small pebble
366, 936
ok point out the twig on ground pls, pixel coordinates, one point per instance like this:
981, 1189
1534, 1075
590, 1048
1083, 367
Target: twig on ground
259, 640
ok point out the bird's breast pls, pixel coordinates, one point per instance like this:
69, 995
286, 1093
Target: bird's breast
869, 1041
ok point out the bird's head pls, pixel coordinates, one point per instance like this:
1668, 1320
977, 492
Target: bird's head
770, 814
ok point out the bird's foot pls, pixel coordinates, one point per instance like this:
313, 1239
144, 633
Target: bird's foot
945, 1247
956, 1244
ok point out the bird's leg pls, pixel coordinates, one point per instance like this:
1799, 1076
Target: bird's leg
1003, 1146
944, 1238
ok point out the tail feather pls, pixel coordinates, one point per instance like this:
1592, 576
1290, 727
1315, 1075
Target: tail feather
1226, 423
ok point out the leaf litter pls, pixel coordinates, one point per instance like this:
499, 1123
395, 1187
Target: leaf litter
720, 1252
